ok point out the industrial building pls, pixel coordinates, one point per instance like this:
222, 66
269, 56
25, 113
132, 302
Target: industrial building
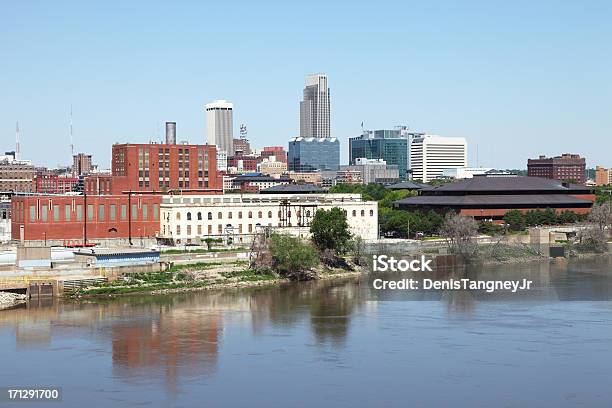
238, 217
567, 167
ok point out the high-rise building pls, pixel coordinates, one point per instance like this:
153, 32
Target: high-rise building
313, 154
431, 154
390, 145
81, 164
219, 125
567, 167
603, 176
314, 109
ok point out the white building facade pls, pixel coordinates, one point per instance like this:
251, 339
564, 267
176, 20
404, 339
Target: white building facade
219, 125
238, 217
430, 155
465, 172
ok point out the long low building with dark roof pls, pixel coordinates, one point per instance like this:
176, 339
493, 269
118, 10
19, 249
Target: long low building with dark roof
490, 198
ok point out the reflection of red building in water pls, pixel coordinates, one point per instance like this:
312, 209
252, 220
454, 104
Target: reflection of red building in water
177, 344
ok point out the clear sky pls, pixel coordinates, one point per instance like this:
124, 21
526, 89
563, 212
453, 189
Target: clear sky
516, 78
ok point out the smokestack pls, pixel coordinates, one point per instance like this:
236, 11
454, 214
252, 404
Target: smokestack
170, 132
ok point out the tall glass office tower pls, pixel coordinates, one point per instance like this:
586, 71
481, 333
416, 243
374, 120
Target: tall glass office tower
312, 154
391, 145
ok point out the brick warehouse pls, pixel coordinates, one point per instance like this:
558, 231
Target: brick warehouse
161, 168
76, 219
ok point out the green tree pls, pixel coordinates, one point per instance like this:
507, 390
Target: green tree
291, 257
330, 230
515, 220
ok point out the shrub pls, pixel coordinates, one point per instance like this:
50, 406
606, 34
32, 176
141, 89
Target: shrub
330, 231
291, 257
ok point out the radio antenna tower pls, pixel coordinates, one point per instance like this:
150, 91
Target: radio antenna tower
71, 139
17, 146
243, 132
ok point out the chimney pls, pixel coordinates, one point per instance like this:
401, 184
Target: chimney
170, 132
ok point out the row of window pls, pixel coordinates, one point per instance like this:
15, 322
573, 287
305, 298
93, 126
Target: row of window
260, 214
102, 210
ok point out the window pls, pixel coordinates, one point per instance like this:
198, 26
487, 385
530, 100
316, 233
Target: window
90, 212
188, 216
145, 212
43, 213
199, 216
113, 212
32, 213
308, 213
134, 211
240, 214
155, 212
178, 216
269, 214
259, 214
240, 229
250, 214
178, 230
362, 213
250, 227
79, 212
220, 229
67, 211
219, 215
354, 213
229, 215
123, 212
199, 230
101, 212
209, 229
188, 229
209, 216
371, 213
56, 212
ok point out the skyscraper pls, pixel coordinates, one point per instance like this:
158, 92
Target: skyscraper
219, 125
314, 109
431, 154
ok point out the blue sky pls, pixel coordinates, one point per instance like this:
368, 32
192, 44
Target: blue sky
517, 78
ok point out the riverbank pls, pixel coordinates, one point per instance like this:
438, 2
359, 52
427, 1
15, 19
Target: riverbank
199, 277
8, 299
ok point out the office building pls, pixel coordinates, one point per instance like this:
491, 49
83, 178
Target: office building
81, 164
278, 153
272, 167
431, 154
241, 164
366, 171
312, 154
16, 175
238, 217
390, 145
603, 176
242, 147
158, 168
567, 167
219, 125
315, 108
48, 182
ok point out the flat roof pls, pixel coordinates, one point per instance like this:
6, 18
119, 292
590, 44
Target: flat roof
512, 200
511, 183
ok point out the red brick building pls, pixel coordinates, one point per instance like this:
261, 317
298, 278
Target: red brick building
97, 184
277, 151
243, 163
77, 218
161, 168
47, 182
567, 167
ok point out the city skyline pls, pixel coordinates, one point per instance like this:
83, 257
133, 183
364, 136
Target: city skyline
476, 75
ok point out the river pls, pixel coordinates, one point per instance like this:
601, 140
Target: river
327, 343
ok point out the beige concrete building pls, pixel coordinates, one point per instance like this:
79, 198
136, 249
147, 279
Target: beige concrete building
272, 168
603, 176
238, 217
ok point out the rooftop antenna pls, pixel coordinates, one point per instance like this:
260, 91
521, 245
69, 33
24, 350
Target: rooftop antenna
17, 146
71, 139
243, 132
